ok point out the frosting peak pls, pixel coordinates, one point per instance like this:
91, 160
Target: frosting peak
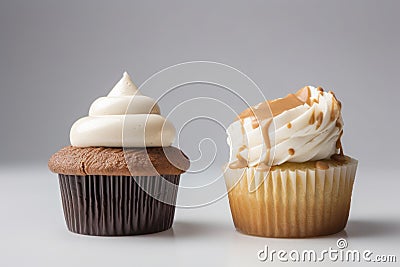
125, 118
125, 87
308, 126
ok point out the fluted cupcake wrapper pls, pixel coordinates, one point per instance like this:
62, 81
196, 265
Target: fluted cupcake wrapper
116, 205
291, 203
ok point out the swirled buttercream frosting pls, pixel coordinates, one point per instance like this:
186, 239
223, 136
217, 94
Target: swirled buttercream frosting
300, 127
124, 118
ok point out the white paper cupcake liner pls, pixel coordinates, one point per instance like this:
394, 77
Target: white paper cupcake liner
291, 203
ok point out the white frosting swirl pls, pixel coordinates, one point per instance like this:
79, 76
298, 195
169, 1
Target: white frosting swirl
125, 118
310, 131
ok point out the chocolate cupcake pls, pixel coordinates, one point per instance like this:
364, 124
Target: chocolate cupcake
120, 175
287, 175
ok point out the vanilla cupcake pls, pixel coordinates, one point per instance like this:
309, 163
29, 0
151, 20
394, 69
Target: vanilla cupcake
120, 175
287, 175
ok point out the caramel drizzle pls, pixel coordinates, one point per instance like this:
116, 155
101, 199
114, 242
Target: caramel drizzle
321, 165
275, 107
321, 92
335, 102
266, 111
337, 124
269, 109
333, 108
339, 143
265, 133
263, 167
320, 117
317, 119
240, 162
254, 122
312, 118
339, 158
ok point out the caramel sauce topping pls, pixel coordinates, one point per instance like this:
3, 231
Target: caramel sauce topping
263, 167
321, 165
265, 133
335, 101
339, 158
269, 109
254, 122
333, 109
339, 143
304, 95
275, 107
320, 117
240, 162
312, 118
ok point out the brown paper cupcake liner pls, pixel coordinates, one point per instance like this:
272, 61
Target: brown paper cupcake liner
116, 205
291, 203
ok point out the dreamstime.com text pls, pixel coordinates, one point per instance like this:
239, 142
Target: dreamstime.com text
338, 254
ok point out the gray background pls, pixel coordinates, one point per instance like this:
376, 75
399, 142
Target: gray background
58, 56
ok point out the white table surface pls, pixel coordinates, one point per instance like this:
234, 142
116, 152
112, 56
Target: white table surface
33, 232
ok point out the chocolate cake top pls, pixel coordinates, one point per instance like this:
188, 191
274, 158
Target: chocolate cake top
150, 161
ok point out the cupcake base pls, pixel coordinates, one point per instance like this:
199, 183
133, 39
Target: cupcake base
103, 205
292, 200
